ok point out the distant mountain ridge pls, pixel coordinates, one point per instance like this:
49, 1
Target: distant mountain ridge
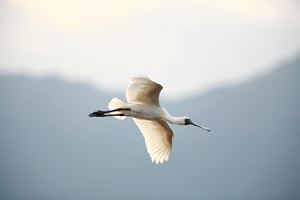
50, 149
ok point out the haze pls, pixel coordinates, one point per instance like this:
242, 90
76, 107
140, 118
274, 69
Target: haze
199, 44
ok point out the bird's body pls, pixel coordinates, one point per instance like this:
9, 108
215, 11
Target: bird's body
151, 118
144, 111
150, 112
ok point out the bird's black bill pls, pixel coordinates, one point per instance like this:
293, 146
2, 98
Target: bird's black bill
189, 122
204, 128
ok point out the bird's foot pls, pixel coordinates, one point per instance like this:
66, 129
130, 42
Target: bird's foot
98, 113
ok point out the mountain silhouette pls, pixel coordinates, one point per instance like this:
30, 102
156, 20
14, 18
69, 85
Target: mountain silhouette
51, 149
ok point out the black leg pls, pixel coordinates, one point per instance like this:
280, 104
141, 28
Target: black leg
100, 113
112, 115
118, 109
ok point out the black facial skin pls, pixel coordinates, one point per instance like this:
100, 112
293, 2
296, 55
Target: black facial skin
188, 122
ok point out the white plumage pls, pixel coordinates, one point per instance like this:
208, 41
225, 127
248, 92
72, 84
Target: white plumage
158, 138
151, 118
142, 90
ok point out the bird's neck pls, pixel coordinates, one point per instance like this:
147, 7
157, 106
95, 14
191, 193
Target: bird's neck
178, 120
174, 120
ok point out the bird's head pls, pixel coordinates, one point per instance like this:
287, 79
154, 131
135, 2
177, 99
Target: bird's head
188, 121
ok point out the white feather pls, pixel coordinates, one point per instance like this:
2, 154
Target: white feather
142, 90
117, 103
158, 138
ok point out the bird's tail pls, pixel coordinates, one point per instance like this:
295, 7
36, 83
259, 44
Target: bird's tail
116, 103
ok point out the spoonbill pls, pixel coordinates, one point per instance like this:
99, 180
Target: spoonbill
151, 118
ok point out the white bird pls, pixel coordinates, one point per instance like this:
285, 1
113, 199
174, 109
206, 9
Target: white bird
152, 119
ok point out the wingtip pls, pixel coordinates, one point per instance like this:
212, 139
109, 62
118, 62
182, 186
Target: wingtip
139, 77
160, 161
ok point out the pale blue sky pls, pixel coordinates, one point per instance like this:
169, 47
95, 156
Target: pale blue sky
188, 46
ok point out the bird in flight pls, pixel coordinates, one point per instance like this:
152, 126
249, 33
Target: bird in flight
151, 118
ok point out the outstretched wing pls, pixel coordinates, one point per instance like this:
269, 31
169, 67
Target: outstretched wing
143, 90
158, 138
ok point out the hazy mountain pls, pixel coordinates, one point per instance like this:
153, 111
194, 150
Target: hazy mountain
51, 149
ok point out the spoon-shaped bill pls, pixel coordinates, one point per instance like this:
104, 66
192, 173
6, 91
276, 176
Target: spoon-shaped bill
204, 128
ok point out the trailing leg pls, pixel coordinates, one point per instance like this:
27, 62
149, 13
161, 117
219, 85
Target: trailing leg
100, 113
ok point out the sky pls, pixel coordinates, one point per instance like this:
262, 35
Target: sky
189, 46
